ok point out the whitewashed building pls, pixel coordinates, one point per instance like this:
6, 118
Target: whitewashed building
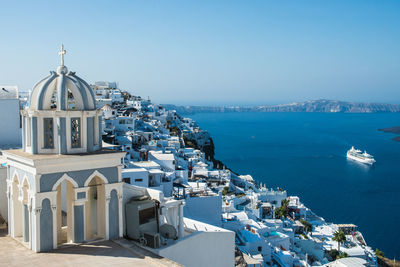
10, 127
107, 93
62, 187
165, 160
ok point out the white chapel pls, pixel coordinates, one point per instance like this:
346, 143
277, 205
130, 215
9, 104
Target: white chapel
62, 187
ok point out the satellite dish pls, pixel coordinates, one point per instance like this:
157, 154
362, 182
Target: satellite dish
168, 231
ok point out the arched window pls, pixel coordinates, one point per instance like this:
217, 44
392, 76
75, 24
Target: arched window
53, 104
75, 132
71, 100
48, 133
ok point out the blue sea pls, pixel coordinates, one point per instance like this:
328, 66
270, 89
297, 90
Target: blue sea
305, 153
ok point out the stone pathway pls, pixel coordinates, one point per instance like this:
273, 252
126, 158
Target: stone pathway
102, 253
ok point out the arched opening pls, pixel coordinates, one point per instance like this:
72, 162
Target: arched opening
53, 104
71, 102
17, 210
25, 212
65, 197
74, 96
95, 210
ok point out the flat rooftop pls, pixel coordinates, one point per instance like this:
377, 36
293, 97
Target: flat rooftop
145, 164
347, 225
20, 153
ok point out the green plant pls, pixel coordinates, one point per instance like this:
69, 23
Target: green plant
307, 225
340, 237
333, 253
282, 211
285, 202
174, 131
379, 253
225, 190
342, 255
303, 235
190, 143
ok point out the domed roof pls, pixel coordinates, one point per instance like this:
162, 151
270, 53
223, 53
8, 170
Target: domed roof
62, 90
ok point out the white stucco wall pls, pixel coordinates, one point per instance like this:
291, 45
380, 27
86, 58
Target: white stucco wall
10, 132
206, 209
137, 174
311, 247
3, 193
203, 249
164, 160
130, 191
273, 197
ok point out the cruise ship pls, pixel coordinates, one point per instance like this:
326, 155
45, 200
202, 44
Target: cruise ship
357, 155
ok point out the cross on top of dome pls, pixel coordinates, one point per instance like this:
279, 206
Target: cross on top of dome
63, 108
62, 90
62, 69
62, 53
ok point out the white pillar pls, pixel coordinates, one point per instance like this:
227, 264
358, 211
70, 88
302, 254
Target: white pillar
30, 224
121, 226
84, 220
108, 198
10, 208
36, 218
181, 229
119, 172
54, 212
70, 212
25, 223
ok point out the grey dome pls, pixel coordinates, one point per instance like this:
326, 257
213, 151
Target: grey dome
57, 87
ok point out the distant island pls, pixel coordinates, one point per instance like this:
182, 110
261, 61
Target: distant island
322, 105
395, 130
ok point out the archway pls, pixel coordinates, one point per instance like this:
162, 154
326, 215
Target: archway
25, 212
95, 210
71, 102
65, 201
17, 209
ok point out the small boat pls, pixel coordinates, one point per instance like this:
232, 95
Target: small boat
357, 155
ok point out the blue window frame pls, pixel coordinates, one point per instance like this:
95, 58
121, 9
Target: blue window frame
75, 132
48, 133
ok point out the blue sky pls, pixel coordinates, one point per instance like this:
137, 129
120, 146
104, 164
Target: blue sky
211, 52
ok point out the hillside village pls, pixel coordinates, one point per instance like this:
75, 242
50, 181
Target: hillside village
170, 153
148, 175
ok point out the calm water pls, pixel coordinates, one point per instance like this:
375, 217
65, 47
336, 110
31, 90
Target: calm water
305, 154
